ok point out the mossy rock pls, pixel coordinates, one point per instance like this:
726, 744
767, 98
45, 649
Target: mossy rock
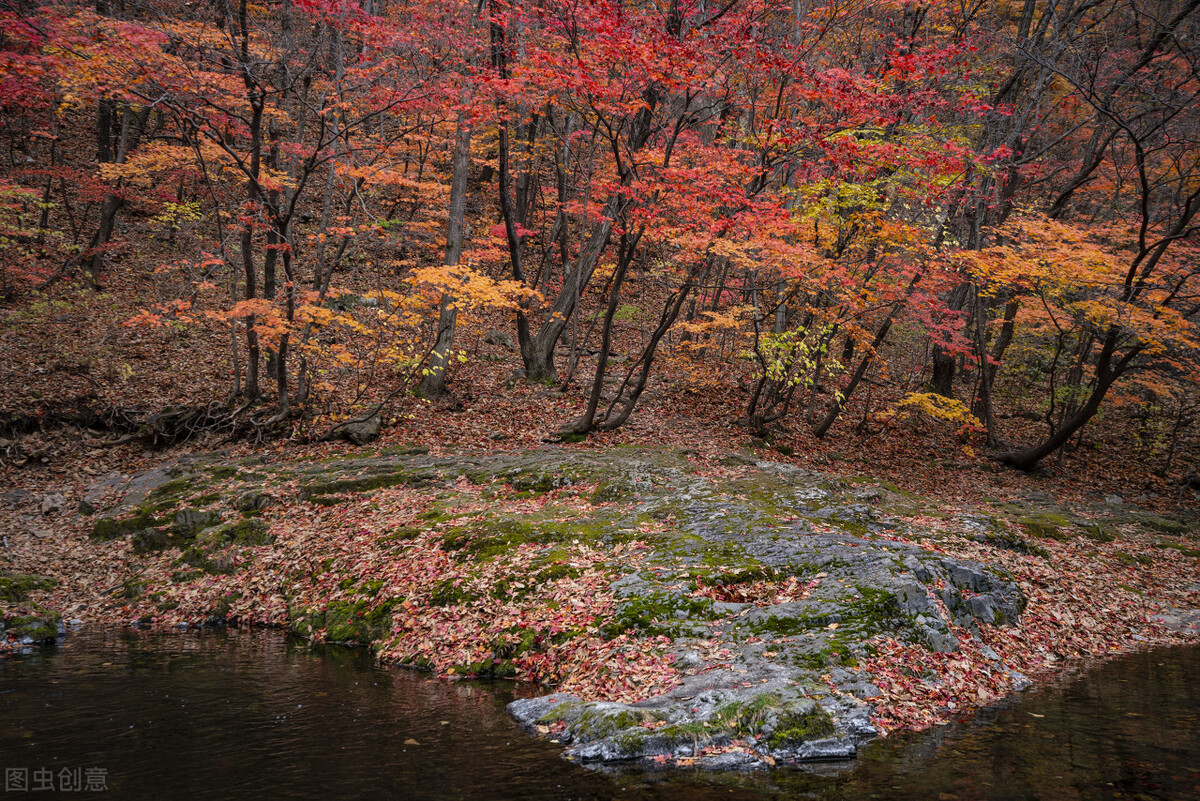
38, 628
588, 722
799, 724
1047, 525
1000, 537
1163, 525
112, 528
537, 482
1098, 532
357, 622
613, 491
15, 587
132, 588
389, 476
404, 533
1178, 546
209, 558
492, 537
1133, 559
149, 540
190, 522
247, 532
658, 613
172, 490
738, 460
253, 501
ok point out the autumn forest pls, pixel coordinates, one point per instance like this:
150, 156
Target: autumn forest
467, 253
982, 213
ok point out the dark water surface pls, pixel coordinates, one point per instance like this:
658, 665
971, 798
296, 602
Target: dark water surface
251, 715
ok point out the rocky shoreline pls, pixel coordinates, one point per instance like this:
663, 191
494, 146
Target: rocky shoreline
732, 613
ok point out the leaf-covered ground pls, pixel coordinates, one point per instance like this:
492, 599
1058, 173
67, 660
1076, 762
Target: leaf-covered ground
497, 574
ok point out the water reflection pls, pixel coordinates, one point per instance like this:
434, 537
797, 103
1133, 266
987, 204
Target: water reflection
250, 714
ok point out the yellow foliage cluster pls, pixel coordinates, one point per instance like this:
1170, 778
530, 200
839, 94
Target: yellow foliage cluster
938, 407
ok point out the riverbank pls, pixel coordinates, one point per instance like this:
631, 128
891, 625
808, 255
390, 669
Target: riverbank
719, 608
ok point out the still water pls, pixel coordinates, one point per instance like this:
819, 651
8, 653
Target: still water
252, 715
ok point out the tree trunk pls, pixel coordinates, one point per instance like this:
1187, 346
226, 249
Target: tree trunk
434, 382
1106, 373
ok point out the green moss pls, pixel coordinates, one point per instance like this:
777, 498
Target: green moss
111, 528
190, 522
743, 718
594, 724
1001, 537
659, 613
357, 622
132, 588
208, 561
172, 490
556, 572
727, 553
612, 491
733, 578
836, 653
1046, 525
789, 625
1177, 546
39, 628
1163, 525
798, 727
492, 537
450, 592
15, 587
149, 540
247, 532
1131, 559
368, 483
873, 612
223, 472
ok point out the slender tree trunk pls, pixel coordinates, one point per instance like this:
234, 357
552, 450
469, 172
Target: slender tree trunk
434, 382
839, 402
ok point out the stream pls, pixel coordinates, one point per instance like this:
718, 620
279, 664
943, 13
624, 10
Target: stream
253, 714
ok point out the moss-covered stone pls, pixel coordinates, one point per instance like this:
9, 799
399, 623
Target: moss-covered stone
1098, 532
247, 532
190, 522
149, 540
658, 613
1000, 537
1046, 525
15, 587
357, 622
253, 501
796, 727
38, 628
111, 528
1178, 546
